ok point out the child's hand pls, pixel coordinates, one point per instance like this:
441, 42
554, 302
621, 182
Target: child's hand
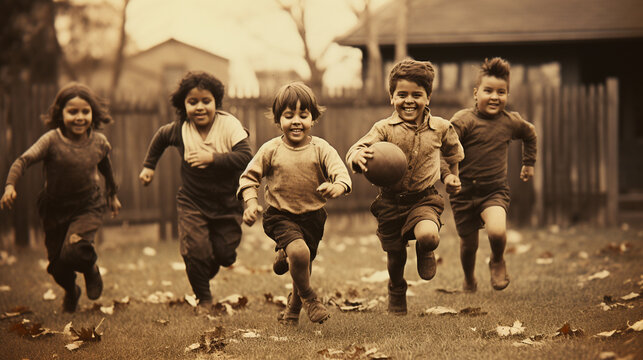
526, 173
200, 158
331, 191
453, 184
8, 197
251, 213
114, 204
362, 158
146, 176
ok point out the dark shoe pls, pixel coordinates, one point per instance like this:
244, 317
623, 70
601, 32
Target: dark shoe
499, 276
290, 315
426, 262
204, 307
397, 299
316, 311
280, 265
93, 283
70, 301
470, 287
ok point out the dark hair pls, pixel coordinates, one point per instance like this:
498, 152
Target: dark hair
287, 97
419, 72
196, 79
54, 117
496, 67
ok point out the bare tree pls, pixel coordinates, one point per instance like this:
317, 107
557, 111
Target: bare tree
374, 82
297, 13
401, 33
118, 59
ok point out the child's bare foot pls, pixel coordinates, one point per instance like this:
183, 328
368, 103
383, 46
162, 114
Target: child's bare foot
499, 276
70, 301
397, 299
470, 286
290, 315
280, 265
426, 263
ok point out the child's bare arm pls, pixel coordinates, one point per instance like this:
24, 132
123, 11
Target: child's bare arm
526, 173
146, 176
8, 197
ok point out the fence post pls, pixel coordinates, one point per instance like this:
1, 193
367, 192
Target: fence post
612, 150
537, 118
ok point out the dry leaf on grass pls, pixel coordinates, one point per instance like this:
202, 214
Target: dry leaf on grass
83, 335
26, 328
515, 329
377, 276
599, 275
448, 290
16, 311
637, 326
441, 310
5, 288
360, 304
280, 301
353, 352
210, 341
149, 251
614, 248
631, 296
6, 259
567, 331
535, 340
49, 295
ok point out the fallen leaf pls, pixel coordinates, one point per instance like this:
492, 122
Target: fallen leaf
447, 291
235, 300
190, 299
544, 261
280, 301
599, 275
630, 296
439, 310
162, 321
74, 346
605, 333
5, 288
177, 266
17, 311
28, 329
49, 295
149, 251
567, 331
278, 338
637, 326
109, 310
6, 259
515, 329
472, 311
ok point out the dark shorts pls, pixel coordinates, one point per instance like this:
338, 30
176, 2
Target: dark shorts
473, 199
285, 227
70, 227
397, 216
203, 237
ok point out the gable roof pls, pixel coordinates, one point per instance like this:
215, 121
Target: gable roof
172, 41
505, 21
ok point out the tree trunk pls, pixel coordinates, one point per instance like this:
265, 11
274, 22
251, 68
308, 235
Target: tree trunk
402, 30
118, 61
374, 79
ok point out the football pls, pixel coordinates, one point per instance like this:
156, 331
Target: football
388, 164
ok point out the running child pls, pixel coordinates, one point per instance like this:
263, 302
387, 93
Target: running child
485, 132
301, 172
71, 204
214, 149
411, 208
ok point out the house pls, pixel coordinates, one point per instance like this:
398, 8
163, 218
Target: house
556, 43
157, 70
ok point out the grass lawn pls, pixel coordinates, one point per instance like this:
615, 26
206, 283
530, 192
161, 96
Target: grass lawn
551, 285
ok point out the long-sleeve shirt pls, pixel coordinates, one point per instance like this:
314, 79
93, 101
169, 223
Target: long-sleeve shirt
486, 143
423, 145
71, 168
293, 174
210, 189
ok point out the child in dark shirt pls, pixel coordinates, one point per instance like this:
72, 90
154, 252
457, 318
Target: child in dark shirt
485, 132
411, 208
71, 205
301, 172
214, 149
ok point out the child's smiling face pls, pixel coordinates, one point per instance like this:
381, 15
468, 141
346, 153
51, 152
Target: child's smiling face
200, 107
77, 118
296, 124
491, 95
409, 100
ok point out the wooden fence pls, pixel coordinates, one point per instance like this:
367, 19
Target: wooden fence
575, 176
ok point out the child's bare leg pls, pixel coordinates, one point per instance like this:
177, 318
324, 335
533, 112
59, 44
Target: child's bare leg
299, 261
468, 249
396, 260
427, 234
495, 219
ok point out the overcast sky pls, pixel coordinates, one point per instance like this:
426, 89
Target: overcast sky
253, 34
